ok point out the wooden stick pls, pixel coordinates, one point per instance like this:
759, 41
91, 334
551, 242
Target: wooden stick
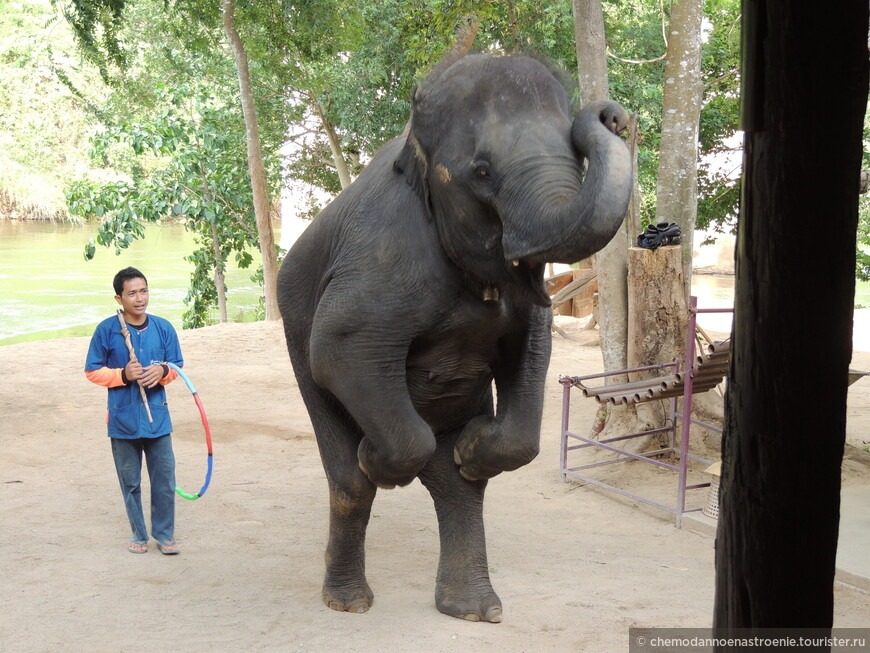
704, 334
126, 333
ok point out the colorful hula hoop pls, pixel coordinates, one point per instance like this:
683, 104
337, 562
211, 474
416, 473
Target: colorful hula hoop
182, 493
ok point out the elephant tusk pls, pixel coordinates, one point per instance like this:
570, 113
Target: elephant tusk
490, 294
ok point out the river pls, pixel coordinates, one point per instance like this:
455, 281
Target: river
48, 290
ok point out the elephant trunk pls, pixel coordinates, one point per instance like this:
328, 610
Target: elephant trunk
583, 220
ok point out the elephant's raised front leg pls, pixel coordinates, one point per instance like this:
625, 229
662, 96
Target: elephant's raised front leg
363, 366
490, 445
463, 588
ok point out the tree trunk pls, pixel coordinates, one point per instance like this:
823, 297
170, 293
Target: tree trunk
634, 224
219, 276
677, 185
465, 35
786, 409
256, 168
219, 280
658, 313
335, 146
611, 263
658, 316
591, 51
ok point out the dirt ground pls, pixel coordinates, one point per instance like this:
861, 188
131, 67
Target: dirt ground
574, 567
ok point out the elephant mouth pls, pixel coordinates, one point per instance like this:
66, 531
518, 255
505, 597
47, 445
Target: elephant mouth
531, 277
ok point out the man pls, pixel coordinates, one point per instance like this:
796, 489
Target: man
132, 430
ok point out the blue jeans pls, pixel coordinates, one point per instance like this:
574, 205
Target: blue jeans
161, 471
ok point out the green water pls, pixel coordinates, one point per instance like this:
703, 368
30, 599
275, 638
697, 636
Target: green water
48, 290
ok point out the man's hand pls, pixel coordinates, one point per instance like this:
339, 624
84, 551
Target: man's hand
133, 371
151, 375
146, 376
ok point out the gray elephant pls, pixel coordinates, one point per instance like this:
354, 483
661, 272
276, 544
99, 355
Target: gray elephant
423, 282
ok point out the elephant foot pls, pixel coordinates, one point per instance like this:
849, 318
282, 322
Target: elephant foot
470, 471
345, 599
486, 607
386, 472
378, 483
485, 449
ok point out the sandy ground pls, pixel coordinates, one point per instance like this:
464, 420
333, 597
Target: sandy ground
575, 568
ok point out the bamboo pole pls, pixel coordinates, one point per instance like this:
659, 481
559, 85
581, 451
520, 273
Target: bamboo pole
126, 333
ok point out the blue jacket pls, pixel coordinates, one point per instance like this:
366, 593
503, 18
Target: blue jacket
107, 355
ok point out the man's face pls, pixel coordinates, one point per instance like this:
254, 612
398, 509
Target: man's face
134, 300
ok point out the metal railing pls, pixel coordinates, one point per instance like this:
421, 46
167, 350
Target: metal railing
699, 374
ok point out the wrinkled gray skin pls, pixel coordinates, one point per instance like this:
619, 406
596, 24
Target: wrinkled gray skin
423, 282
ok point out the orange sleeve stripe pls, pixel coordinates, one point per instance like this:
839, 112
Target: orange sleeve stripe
109, 377
169, 378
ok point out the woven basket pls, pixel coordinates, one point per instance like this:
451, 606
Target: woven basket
711, 508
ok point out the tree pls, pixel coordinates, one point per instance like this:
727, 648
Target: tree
719, 166
131, 74
42, 124
862, 254
668, 153
255, 166
677, 182
591, 50
181, 162
611, 263
637, 48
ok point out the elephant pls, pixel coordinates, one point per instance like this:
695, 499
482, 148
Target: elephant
421, 286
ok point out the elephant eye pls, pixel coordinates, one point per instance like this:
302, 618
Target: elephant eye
481, 169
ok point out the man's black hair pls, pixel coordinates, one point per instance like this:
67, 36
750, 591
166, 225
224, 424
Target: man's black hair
125, 275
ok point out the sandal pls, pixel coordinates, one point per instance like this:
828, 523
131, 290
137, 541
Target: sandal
670, 233
660, 235
137, 546
169, 548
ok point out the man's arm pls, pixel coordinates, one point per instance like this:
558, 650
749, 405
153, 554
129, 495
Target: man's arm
107, 377
173, 355
169, 374
97, 364
97, 368
112, 377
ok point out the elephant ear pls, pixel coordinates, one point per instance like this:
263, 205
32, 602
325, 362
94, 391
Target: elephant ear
412, 161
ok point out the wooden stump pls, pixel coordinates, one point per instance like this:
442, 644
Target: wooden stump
658, 316
658, 312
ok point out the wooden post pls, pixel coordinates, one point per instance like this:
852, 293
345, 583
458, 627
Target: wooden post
657, 308
657, 316
785, 424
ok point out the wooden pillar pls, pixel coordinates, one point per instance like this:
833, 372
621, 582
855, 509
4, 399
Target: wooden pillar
803, 111
657, 308
657, 319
